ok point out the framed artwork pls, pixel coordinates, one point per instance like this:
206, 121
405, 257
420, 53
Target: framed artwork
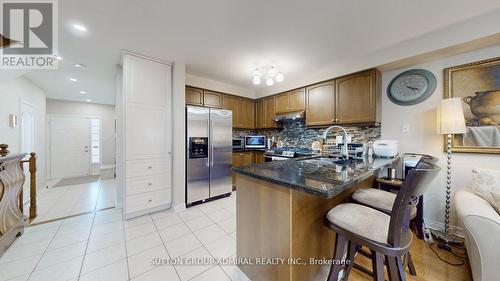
478, 85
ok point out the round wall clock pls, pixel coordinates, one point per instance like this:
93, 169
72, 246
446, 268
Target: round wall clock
411, 87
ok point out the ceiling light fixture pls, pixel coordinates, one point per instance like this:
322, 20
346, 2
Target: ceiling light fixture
80, 27
73, 79
268, 73
59, 58
83, 92
88, 100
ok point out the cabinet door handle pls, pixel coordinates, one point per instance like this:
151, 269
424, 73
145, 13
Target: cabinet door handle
150, 184
150, 200
150, 167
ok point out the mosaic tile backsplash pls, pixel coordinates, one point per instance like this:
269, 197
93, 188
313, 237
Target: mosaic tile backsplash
296, 134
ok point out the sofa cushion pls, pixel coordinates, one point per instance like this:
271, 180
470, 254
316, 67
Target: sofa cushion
486, 184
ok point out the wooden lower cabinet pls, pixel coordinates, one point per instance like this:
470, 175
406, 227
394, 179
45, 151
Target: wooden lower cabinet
240, 159
259, 157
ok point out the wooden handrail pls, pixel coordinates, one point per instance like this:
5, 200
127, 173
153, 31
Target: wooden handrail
32, 169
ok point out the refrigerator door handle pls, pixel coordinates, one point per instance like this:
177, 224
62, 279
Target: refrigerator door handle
211, 154
207, 161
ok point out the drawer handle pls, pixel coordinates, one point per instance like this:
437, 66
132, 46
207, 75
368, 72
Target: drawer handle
150, 200
150, 184
149, 167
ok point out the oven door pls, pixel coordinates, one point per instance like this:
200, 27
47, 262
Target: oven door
255, 142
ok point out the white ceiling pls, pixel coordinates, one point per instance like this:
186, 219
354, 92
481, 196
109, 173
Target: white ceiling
225, 40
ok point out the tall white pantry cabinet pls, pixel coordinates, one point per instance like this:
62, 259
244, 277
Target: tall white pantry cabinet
144, 135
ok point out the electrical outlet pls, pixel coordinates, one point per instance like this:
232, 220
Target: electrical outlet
338, 140
405, 128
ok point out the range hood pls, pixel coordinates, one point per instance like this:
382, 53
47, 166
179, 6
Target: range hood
290, 116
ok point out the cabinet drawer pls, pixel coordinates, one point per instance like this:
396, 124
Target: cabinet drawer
147, 184
148, 167
146, 201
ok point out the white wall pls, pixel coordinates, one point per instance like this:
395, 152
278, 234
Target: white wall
11, 95
179, 129
423, 138
210, 84
105, 112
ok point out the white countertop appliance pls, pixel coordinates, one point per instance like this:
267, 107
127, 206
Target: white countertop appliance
385, 148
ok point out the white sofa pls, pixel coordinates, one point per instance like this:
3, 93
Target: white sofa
481, 224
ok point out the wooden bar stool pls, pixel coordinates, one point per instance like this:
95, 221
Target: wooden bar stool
357, 225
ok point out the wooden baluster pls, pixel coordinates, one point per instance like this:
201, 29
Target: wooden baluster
32, 169
21, 194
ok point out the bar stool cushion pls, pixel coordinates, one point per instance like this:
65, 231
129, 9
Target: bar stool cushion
361, 220
380, 199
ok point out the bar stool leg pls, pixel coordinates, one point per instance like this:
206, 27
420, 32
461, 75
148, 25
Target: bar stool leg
340, 244
351, 252
396, 269
411, 265
377, 266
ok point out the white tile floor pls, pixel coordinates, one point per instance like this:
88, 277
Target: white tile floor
64, 201
101, 246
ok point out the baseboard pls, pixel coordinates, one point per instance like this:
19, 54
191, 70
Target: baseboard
435, 225
179, 207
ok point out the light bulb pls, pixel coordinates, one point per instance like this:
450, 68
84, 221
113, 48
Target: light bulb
280, 77
269, 81
256, 80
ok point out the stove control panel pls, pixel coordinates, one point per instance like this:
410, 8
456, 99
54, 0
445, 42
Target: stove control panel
289, 154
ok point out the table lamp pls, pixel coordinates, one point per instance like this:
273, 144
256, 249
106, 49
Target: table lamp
450, 120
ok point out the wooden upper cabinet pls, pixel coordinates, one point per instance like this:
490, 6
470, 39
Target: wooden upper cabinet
320, 102
261, 114
247, 114
281, 103
270, 113
212, 99
194, 96
297, 100
232, 103
355, 99
290, 101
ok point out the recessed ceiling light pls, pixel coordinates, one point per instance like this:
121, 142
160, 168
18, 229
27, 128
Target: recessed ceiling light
73, 79
80, 27
82, 66
83, 92
88, 100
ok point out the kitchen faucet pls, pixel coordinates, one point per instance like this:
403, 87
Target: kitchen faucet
343, 150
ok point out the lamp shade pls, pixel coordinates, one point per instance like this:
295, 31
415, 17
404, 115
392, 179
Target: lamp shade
450, 117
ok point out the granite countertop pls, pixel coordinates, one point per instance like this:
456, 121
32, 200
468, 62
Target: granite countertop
318, 176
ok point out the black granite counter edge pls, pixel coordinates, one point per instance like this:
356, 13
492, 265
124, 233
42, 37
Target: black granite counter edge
327, 194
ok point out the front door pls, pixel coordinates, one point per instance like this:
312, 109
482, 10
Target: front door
69, 147
27, 142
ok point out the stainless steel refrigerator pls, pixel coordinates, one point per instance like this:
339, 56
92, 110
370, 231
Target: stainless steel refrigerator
209, 154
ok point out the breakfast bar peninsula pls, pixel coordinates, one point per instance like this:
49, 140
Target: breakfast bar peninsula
280, 209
